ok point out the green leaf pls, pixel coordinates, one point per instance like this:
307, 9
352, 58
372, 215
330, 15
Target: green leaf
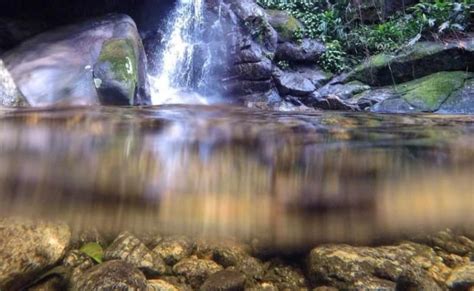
94, 251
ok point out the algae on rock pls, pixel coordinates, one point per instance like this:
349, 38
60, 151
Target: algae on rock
116, 72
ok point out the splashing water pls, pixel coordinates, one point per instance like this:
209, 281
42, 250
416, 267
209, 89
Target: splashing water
180, 74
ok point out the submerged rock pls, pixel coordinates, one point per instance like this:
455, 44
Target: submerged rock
407, 264
174, 249
196, 271
112, 275
225, 280
130, 249
285, 277
10, 96
29, 248
462, 278
82, 64
161, 285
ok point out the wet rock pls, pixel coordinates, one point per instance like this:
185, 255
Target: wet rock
254, 19
54, 283
261, 70
331, 102
77, 263
369, 98
462, 278
245, 88
174, 249
232, 255
29, 248
423, 59
450, 242
344, 266
116, 72
195, 270
461, 101
393, 105
325, 288
416, 279
343, 91
284, 23
306, 51
426, 94
130, 249
315, 74
225, 280
10, 96
57, 67
160, 285
264, 286
112, 275
285, 277
293, 83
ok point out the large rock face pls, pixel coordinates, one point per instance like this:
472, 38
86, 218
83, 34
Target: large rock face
422, 59
9, 94
429, 94
98, 61
249, 43
27, 249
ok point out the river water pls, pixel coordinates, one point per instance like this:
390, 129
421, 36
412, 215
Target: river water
287, 178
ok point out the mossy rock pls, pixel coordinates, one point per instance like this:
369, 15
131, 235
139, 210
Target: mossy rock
428, 93
284, 23
423, 59
116, 72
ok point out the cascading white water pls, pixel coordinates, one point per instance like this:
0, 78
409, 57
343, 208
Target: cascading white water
179, 75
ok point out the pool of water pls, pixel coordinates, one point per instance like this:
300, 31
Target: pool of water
287, 178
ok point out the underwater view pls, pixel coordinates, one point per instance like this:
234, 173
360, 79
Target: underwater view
236, 145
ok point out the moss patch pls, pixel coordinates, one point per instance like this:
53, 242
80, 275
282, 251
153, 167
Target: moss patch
121, 54
428, 93
284, 23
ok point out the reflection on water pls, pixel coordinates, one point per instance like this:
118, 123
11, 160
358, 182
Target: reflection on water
286, 178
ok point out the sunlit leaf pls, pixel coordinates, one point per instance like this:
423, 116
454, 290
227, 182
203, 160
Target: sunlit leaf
94, 251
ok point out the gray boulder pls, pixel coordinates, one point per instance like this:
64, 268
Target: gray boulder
306, 51
97, 61
293, 83
112, 275
461, 101
29, 248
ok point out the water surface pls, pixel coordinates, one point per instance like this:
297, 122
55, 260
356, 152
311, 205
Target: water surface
287, 178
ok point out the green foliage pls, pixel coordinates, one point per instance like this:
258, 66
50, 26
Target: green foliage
334, 58
349, 41
94, 251
442, 16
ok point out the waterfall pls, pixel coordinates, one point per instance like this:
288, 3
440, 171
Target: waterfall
184, 59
